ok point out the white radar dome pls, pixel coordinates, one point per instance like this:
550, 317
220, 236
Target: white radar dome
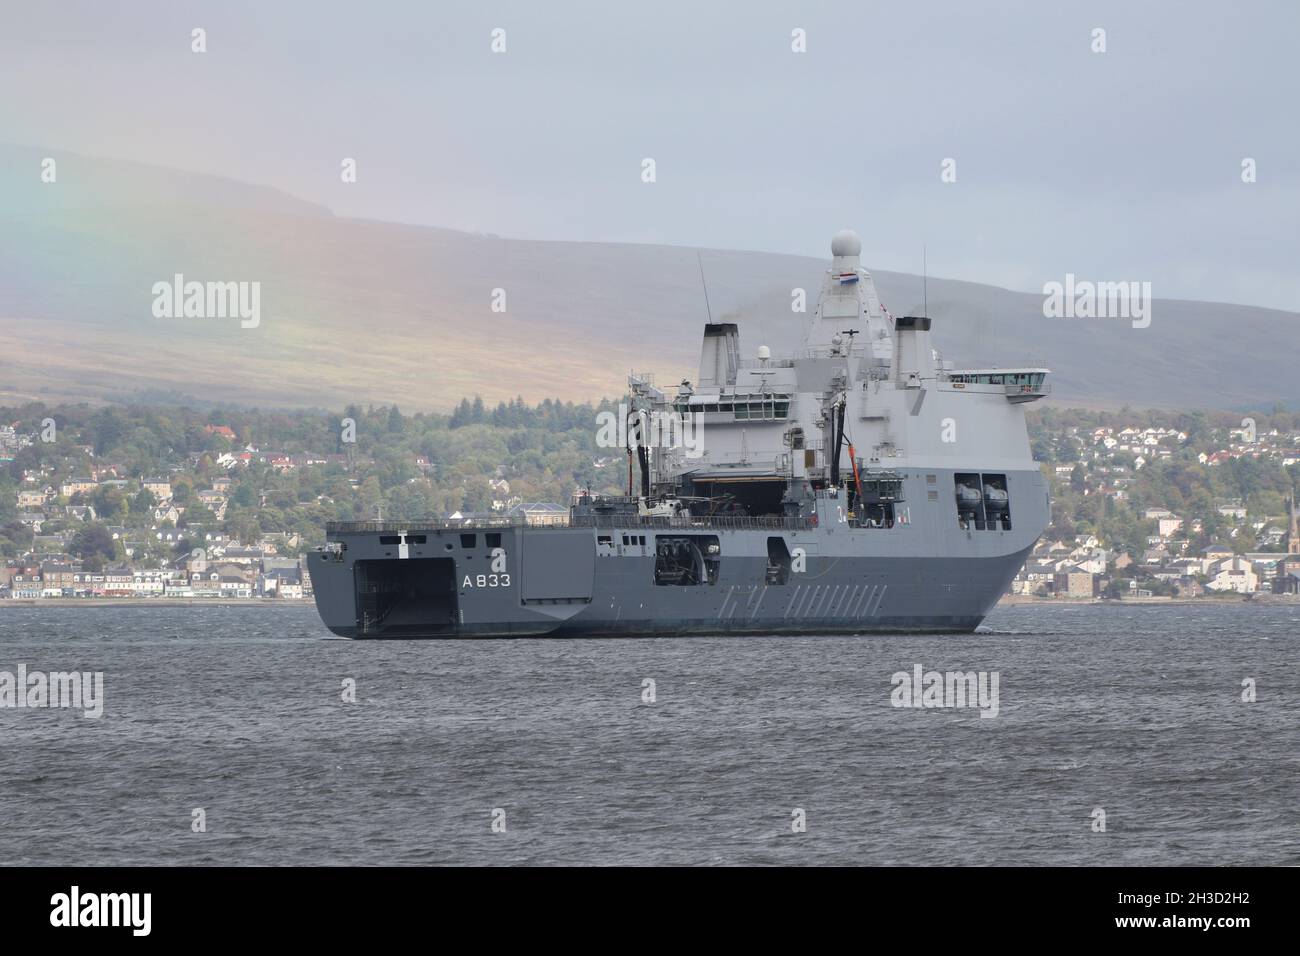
846, 243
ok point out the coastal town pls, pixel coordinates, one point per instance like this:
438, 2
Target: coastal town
1224, 548
165, 553
234, 517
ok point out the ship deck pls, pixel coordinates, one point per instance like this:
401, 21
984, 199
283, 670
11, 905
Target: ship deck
727, 522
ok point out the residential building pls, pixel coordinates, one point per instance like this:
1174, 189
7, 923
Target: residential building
1074, 584
1233, 574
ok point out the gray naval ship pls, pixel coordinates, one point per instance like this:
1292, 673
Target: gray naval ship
863, 484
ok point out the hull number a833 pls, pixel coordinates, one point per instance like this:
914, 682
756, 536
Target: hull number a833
486, 581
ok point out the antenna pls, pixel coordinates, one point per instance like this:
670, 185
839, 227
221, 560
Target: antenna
925, 297
707, 309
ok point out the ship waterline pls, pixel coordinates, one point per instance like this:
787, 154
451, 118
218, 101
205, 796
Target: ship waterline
852, 488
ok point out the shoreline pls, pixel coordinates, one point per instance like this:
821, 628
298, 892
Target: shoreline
1018, 600
157, 602
1006, 601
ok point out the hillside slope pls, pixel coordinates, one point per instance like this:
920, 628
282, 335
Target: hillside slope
359, 311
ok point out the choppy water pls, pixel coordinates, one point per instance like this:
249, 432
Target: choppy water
238, 711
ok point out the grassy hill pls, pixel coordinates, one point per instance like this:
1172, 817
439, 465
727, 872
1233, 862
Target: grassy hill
358, 311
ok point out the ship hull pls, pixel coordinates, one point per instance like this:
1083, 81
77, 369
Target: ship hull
929, 574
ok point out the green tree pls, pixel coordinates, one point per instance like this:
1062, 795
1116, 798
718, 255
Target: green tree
94, 545
1078, 479
142, 504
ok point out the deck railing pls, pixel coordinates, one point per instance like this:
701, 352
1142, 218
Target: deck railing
725, 522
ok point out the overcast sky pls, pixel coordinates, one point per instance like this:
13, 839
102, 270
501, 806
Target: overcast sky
1123, 165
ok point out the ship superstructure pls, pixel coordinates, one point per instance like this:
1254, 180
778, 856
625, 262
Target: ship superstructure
861, 484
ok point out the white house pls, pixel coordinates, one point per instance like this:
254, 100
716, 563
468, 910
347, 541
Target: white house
1234, 574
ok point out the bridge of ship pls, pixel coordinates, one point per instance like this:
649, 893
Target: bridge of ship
1018, 384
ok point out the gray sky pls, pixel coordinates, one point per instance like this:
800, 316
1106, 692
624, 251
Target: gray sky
1123, 165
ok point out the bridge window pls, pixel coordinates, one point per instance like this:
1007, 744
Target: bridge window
744, 408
